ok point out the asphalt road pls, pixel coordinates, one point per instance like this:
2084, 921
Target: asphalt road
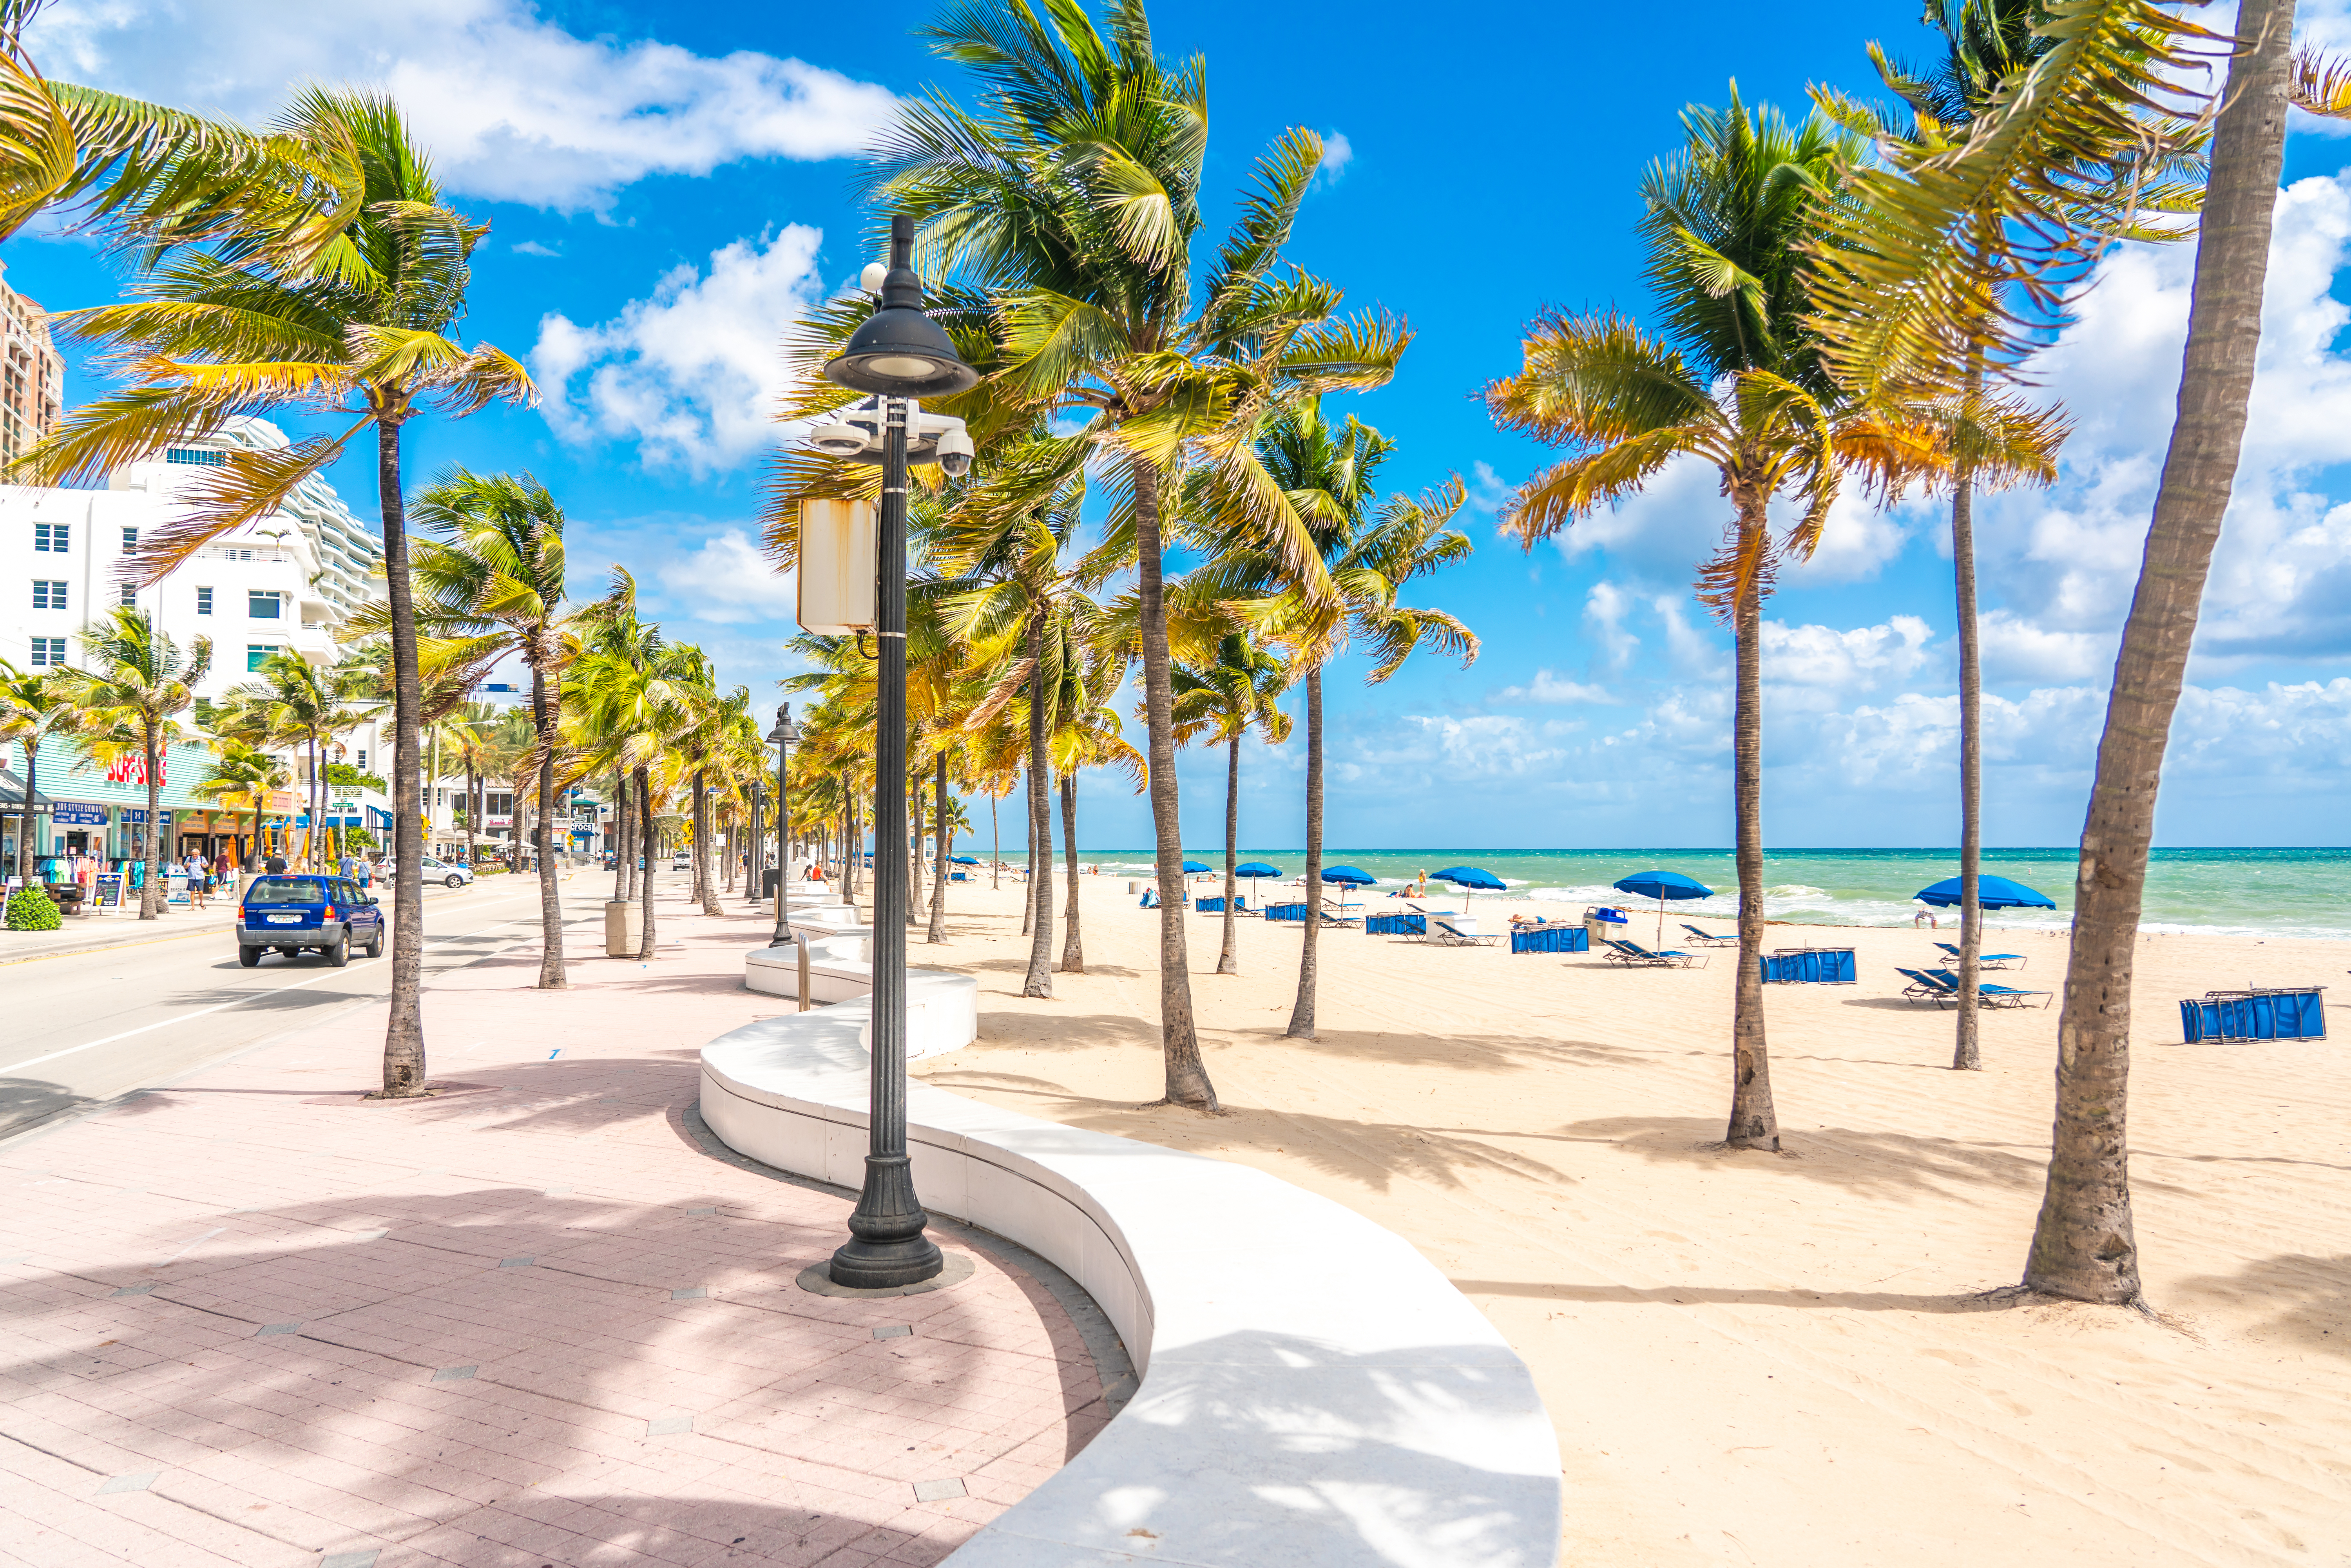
83, 1029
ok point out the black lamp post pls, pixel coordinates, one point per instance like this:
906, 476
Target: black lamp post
785, 733
899, 355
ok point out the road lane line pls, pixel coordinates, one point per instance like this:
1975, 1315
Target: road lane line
14, 1067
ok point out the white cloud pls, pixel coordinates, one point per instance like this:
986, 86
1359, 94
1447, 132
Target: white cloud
1478, 746
692, 373
727, 581
1546, 687
1488, 492
1604, 609
1860, 659
532, 247
1337, 153
513, 105
2017, 649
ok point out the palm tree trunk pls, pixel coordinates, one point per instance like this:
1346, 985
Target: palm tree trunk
151, 896
913, 846
1028, 898
1188, 1074
1967, 1051
1227, 963
1754, 1123
25, 857
1074, 946
550, 897
2083, 1246
645, 880
404, 1036
472, 815
939, 853
619, 836
853, 851
1040, 981
1302, 1016
706, 829
995, 853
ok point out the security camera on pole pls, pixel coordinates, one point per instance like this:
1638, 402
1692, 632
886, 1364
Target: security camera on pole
898, 356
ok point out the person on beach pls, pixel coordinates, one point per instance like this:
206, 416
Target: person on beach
1920, 911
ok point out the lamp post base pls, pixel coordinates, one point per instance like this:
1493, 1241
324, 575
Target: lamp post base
887, 1249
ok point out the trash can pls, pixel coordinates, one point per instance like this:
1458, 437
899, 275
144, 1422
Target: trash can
770, 879
624, 927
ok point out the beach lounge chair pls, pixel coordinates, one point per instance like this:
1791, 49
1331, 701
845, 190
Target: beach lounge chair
1445, 934
1924, 987
1710, 938
1633, 956
1986, 960
1992, 996
1341, 922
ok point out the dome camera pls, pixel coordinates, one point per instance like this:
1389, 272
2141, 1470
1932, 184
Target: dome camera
955, 453
837, 438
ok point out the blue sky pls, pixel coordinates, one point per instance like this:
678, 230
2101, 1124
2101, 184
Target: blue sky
669, 185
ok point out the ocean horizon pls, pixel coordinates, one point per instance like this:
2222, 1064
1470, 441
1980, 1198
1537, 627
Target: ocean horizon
2246, 890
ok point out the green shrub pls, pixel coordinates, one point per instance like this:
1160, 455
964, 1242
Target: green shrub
31, 909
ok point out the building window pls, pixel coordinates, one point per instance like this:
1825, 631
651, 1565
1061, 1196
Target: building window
204, 602
129, 592
47, 650
257, 655
54, 538
48, 593
129, 539
362, 758
500, 806
194, 455
264, 606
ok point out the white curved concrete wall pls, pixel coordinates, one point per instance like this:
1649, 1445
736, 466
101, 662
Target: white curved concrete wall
1314, 1391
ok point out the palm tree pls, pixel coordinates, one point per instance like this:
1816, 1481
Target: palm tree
629, 691
1364, 556
294, 702
1736, 380
359, 324
243, 771
1075, 198
495, 575
1219, 703
32, 704
130, 695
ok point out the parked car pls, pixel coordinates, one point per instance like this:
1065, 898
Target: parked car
449, 874
288, 913
682, 861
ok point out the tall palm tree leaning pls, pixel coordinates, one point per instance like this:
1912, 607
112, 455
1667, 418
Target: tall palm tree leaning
131, 693
1074, 196
1219, 703
1735, 381
242, 771
495, 577
358, 322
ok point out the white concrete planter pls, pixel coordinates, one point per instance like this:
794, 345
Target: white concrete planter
1314, 1392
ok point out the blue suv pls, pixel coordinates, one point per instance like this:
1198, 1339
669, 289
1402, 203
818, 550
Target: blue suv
290, 912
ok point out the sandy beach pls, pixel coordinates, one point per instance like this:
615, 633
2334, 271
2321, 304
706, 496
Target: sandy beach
1779, 1359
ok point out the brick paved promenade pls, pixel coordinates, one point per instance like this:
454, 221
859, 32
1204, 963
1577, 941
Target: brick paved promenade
251, 1320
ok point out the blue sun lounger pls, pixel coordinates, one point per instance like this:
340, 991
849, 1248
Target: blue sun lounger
1992, 996
1986, 960
1924, 987
1633, 956
1445, 934
1708, 938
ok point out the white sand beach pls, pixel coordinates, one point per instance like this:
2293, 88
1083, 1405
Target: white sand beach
1779, 1359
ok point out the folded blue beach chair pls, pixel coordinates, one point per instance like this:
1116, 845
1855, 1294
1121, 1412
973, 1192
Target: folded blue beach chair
1986, 960
1633, 956
1710, 938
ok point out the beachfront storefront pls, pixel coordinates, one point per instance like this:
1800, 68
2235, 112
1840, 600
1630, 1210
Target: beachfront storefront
91, 816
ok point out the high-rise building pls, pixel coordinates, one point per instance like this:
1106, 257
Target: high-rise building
32, 374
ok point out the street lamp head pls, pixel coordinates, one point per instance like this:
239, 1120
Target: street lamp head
899, 351
786, 732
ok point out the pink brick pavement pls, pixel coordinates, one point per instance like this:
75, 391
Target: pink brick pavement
490, 1361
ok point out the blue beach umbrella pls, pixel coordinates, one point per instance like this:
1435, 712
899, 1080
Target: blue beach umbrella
1662, 886
963, 859
1991, 893
1347, 876
1469, 878
1196, 865
1255, 869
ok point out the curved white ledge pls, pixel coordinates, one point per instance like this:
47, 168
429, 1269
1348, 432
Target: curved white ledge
1314, 1391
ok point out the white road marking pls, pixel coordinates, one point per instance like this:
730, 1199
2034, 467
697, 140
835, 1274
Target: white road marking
14, 1067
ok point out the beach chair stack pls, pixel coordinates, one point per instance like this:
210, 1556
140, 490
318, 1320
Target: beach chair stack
2266, 1013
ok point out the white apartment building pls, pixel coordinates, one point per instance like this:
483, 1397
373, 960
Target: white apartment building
284, 583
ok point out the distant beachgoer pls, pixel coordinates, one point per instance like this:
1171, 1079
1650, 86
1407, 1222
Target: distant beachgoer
1926, 914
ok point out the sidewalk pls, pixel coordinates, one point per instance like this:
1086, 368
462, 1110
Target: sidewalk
255, 1321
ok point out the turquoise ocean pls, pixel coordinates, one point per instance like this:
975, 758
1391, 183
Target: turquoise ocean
2253, 892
